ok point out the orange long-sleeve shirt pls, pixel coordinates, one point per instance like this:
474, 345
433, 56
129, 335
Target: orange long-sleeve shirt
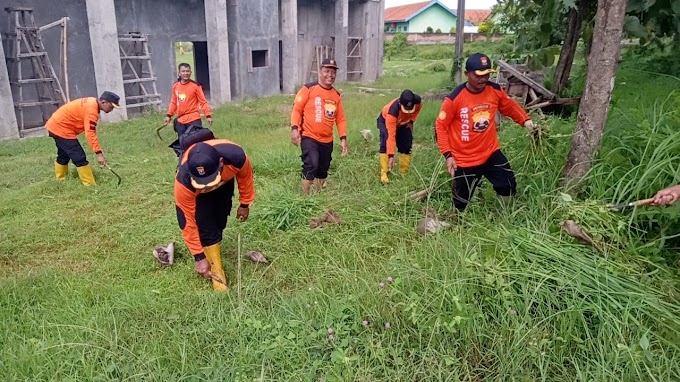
185, 101
235, 165
316, 110
75, 117
466, 125
395, 117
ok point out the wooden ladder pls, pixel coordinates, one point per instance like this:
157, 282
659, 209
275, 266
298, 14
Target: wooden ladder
35, 86
320, 53
139, 80
354, 69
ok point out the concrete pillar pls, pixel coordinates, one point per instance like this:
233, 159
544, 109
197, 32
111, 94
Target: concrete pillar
372, 53
289, 46
101, 19
218, 51
8, 119
341, 28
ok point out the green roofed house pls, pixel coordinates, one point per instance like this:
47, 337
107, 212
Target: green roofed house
416, 18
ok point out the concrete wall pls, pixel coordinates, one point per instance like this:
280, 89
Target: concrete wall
81, 72
287, 30
316, 21
288, 27
8, 120
366, 22
165, 22
444, 38
253, 26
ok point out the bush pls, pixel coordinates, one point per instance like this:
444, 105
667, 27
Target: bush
429, 30
437, 67
438, 30
486, 26
435, 52
452, 30
396, 46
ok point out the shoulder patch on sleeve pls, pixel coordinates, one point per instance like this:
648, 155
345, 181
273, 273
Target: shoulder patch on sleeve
442, 115
456, 91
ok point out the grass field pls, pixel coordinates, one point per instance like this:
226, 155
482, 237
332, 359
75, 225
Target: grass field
503, 295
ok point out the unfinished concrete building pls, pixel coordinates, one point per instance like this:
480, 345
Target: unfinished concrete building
241, 49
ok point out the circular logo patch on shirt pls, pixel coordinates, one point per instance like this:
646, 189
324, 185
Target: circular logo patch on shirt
442, 115
298, 99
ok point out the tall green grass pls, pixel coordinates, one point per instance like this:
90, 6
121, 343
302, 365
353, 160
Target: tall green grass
502, 295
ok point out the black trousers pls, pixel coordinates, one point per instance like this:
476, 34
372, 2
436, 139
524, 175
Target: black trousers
496, 169
69, 150
180, 128
404, 137
212, 210
316, 158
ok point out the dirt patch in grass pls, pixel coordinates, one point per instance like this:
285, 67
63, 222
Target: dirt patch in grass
16, 266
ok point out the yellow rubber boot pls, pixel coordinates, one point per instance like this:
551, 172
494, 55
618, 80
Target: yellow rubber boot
306, 186
212, 253
86, 175
60, 170
404, 163
384, 168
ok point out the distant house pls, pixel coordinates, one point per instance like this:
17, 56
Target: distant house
477, 16
416, 18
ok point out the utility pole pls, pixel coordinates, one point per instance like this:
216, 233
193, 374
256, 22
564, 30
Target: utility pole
460, 26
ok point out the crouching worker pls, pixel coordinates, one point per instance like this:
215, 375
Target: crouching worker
204, 187
466, 133
395, 124
71, 119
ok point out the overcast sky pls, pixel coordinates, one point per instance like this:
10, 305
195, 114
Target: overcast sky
453, 4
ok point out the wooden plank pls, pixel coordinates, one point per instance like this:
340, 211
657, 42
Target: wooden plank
36, 103
32, 81
135, 57
539, 105
538, 87
132, 98
137, 80
141, 104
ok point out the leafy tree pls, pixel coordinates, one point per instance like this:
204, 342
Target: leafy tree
429, 30
452, 30
438, 30
592, 113
486, 27
396, 46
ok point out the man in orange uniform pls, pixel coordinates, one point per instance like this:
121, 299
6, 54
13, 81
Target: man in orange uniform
395, 124
71, 119
204, 187
466, 132
187, 97
317, 107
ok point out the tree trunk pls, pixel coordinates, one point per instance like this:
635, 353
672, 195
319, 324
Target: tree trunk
592, 114
563, 69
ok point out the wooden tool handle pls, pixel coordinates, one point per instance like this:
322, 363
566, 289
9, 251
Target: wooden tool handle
644, 202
